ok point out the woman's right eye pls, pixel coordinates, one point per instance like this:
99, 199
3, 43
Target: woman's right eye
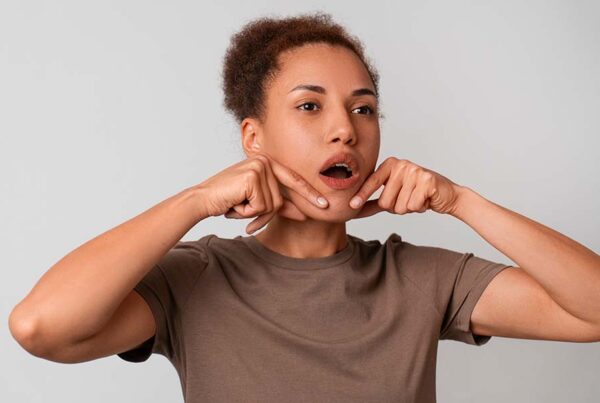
307, 103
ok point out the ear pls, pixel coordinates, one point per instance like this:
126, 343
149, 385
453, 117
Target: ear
251, 136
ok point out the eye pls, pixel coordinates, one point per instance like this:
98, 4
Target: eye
368, 108
364, 107
307, 103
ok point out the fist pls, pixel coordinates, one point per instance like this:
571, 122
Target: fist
408, 188
257, 186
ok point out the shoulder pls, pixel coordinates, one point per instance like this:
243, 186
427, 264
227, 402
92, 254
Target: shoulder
188, 252
426, 266
413, 253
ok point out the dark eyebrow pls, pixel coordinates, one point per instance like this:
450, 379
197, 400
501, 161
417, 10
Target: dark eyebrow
321, 90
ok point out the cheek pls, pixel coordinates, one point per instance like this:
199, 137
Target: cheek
288, 133
297, 145
373, 150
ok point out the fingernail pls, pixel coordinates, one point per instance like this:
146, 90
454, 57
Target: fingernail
356, 201
322, 201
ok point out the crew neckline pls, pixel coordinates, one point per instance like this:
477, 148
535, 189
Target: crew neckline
302, 264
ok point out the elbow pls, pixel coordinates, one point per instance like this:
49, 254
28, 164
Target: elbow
25, 330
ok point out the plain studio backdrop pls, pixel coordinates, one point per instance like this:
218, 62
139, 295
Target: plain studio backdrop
108, 108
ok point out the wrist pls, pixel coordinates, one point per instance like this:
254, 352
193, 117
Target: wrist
196, 200
464, 199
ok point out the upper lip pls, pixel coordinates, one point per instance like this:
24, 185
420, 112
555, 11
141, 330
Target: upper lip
341, 157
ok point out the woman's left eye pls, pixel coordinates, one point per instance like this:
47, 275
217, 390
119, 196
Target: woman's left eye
368, 108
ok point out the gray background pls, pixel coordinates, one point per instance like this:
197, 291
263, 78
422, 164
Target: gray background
107, 108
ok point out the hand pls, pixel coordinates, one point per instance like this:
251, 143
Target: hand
252, 187
408, 188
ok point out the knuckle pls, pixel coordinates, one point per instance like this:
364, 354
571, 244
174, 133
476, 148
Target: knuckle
253, 175
296, 177
258, 162
412, 206
263, 159
398, 207
383, 204
377, 182
278, 203
404, 163
427, 176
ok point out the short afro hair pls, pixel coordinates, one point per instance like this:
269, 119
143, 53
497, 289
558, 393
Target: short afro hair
252, 57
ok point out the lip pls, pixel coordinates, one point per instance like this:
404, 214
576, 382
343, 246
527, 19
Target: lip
341, 157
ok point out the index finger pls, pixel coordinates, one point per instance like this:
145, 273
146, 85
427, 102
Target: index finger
371, 184
295, 181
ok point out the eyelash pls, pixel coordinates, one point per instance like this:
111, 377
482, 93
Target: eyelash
312, 103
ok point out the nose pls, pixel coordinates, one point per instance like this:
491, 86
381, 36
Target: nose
342, 128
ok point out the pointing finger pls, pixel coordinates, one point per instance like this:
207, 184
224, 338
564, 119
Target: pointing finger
294, 181
370, 186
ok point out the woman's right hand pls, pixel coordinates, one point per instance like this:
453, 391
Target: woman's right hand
251, 188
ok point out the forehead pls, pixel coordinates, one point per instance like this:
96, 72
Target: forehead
333, 67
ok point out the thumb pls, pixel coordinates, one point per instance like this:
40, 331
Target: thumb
290, 210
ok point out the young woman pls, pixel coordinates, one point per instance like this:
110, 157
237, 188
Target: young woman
304, 311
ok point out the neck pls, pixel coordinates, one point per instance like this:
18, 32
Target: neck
303, 239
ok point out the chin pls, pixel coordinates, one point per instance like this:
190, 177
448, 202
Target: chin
339, 211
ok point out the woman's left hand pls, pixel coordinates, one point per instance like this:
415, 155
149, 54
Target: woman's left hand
408, 188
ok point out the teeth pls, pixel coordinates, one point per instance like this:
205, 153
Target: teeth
343, 165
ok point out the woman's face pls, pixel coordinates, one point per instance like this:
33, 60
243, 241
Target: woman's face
303, 128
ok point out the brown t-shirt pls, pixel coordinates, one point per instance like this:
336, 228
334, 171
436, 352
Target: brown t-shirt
243, 323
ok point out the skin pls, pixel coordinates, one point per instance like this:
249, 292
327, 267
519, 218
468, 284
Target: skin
302, 129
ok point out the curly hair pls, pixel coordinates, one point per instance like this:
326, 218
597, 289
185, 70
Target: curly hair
252, 57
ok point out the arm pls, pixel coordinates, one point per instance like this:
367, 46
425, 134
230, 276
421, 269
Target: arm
555, 291
78, 295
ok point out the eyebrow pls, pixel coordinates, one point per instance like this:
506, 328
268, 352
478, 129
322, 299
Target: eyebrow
321, 90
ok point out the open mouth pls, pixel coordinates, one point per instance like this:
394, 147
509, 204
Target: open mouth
339, 177
338, 171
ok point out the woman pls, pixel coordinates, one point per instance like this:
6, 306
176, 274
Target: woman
303, 311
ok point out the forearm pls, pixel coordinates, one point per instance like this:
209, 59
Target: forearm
78, 295
567, 270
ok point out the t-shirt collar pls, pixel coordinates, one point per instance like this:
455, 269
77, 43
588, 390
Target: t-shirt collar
294, 263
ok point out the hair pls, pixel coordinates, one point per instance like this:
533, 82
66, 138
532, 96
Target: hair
251, 60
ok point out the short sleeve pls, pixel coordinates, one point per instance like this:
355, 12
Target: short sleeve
450, 281
466, 280
166, 288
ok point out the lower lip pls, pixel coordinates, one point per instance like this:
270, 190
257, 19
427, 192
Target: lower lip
339, 184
